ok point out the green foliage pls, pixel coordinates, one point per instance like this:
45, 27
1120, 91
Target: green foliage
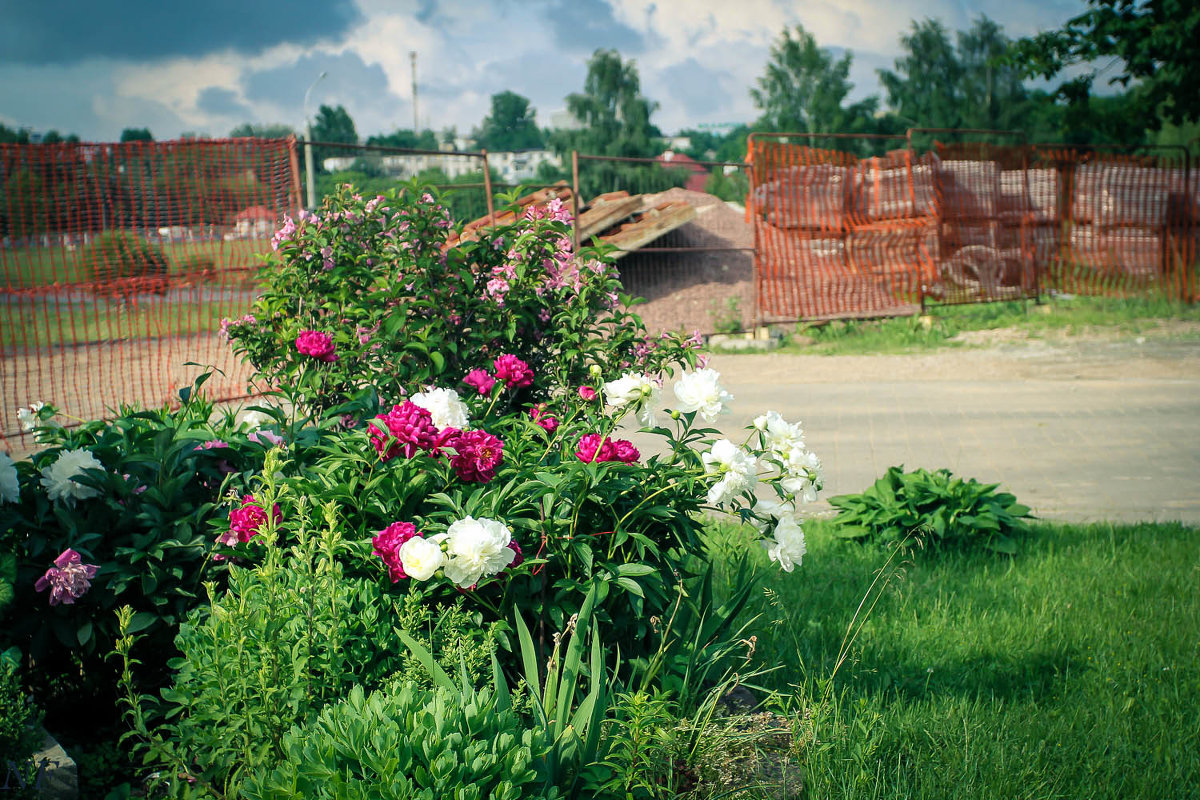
614, 114
512, 125
941, 511
731, 187
289, 638
405, 743
252, 130
197, 265
406, 139
1156, 44
117, 255
136, 135
332, 125
440, 307
804, 90
19, 737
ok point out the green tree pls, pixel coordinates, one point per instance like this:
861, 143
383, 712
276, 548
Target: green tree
11, 136
251, 130
333, 125
1156, 43
992, 92
405, 138
510, 126
136, 135
804, 89
614, 114
926, 88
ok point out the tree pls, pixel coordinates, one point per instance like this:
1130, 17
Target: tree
251, 130
136, 135
333, 125
804, 89
614, 114
1157, 43
10, 136
992, 92
510, 126
925, 91
405, 138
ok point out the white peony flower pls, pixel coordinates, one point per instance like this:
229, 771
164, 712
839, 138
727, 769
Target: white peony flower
737, 468
803, 475
633, 388
10, 487
28, 417
444, 405
788, 546
255, 419
476, 549
421, 558
61, 478
700, 391
769, 512
780, 436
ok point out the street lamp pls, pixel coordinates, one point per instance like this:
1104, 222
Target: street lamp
309, 171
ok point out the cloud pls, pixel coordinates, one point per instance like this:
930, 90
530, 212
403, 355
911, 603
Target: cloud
222, 102
696, 89
583, 26
69, 31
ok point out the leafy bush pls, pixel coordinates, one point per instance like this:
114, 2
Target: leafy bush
406, 743
124, 256
197, 265
19, 737
396, 299
940, 509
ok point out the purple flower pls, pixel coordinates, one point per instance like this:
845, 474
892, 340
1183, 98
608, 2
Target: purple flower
69, 579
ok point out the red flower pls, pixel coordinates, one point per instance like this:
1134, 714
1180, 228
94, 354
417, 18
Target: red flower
625, 452
316, 344
476, 456
538, 412
587, 393
387, 546
480, 380
406, 427
594, 448
246, 521
513, 371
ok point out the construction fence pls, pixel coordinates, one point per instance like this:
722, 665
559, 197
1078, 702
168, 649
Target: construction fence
985, 218
120, 260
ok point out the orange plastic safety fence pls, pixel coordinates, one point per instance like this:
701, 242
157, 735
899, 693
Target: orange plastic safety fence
119, 261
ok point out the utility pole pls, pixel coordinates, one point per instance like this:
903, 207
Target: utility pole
309, 169
412, 54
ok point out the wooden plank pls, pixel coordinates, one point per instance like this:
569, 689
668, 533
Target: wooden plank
606, 211
537, 198
649, 226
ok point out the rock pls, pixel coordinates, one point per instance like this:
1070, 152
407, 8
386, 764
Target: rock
57, 775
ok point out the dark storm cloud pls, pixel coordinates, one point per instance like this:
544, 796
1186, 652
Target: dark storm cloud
67, 31
222, 101
694, 87
349, 81
586, 25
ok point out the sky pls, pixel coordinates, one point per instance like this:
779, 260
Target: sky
96, 67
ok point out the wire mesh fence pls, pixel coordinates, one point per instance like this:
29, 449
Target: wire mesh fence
118, 262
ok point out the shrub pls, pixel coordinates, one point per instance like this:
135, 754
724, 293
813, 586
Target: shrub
936, 507
400, 300
197, 265
125, 259
19, 737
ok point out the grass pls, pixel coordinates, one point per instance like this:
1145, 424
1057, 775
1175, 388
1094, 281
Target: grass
29, 325
1056, 317
31, 267
1068, 671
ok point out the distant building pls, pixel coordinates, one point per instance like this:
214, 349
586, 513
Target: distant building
255, 222
699, 175
516, 166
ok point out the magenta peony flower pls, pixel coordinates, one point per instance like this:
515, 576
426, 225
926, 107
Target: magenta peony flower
477, 454
247, 521
68, 580
547, 421
624, 451
317, 345
513, 371
480, 380
516, 548
587, 393
406, 427
387, 546
594, 448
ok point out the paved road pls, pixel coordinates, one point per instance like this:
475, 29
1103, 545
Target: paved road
1107, 431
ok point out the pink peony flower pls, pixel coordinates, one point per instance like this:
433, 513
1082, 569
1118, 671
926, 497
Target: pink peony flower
594, 448
407, 427
476, 455
587, 393
265, 438
316, 344
624, 451
387, 546
68, 580
513, 371
246, 521
538, 412
480, 380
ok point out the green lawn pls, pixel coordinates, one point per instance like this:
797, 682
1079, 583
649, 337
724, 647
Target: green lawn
43, 266
28, 325
1069, 671
1056, 316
